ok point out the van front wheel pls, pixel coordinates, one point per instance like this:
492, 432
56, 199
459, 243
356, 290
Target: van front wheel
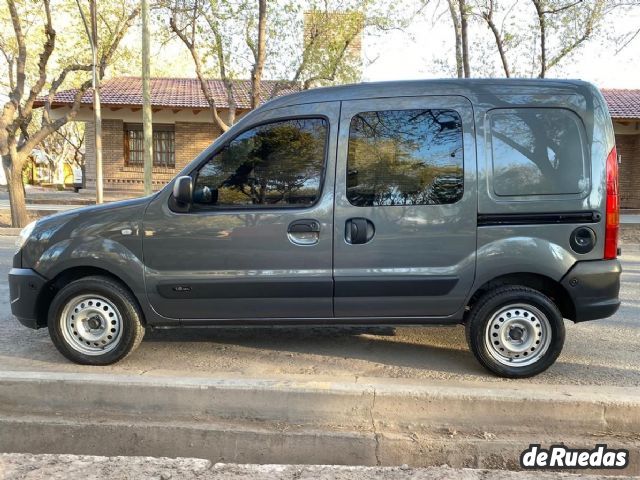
515, 331
95, 321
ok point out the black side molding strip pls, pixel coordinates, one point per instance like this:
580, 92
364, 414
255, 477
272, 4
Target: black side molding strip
308, 288
393, 286
403, 286
488, 220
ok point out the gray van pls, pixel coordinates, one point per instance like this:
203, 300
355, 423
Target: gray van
488, 203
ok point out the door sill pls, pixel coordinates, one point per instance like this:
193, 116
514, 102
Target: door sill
341, 321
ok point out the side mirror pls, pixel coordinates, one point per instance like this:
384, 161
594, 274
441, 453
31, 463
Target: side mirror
183, 190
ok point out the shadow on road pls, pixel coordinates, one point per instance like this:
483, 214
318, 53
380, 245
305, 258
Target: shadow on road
440, 349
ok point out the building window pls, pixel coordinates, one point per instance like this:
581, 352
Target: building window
405, 157
164, 145
279, 164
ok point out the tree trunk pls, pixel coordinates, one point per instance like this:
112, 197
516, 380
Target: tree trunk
19, 216
464, 37
456, 27
543, 37
258, 67
147, 114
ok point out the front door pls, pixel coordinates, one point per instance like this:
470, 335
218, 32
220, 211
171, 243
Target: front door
257, 242
406, 207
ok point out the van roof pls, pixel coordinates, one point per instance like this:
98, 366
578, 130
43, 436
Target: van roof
409, 88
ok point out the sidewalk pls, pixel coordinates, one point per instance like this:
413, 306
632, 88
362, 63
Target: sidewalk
76, 467
38, 195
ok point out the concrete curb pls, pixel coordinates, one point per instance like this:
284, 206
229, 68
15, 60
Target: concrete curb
9, 231
565, 409
368, 422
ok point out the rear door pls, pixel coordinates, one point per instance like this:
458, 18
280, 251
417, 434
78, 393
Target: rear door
406, 207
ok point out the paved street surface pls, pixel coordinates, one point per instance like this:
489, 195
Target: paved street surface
603, 352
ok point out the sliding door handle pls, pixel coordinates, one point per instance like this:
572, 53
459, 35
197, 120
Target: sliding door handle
358, 231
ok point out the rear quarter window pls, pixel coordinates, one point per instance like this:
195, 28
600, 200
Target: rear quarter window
537, 151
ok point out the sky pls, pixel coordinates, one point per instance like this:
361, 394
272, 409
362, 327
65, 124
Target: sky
413, 54
418, 51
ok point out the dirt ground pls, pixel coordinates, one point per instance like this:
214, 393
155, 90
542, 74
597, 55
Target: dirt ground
5, 218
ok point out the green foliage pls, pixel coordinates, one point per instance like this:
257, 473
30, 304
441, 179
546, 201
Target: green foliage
313, 42
320, 42
566, 26
72, 45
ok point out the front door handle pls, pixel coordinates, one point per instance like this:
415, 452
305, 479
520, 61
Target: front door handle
304, 232
358, 231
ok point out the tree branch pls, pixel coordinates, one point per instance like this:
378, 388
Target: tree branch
563, 8
50, 127
196, 60
488, 17
47, 50
116, 39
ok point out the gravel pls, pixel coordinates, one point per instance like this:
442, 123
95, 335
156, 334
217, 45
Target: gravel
70, 467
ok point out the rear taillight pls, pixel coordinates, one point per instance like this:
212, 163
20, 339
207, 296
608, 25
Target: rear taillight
612, 218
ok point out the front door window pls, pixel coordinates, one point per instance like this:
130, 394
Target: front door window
278, 164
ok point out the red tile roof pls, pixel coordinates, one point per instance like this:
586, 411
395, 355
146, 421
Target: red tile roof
186, 93
172, 92
623, 103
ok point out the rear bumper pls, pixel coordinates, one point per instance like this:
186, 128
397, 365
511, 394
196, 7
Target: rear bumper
25, 286
594, 287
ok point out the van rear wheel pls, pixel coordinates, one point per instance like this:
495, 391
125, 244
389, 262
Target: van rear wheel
95, 321
515, 331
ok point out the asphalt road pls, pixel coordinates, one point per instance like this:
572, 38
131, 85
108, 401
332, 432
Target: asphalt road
603, 352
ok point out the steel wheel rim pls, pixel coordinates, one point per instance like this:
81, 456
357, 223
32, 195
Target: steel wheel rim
518, 335
91, 324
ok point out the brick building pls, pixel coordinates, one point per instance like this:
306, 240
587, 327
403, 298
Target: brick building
624, 106
183, 128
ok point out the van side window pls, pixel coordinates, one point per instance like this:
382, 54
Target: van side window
405, 157
537, 151
277, 164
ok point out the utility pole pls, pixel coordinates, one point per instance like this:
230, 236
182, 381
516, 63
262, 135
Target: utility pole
147, 122
96, 101
92, 34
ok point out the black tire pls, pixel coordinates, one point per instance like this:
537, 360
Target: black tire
487, 313
119, 303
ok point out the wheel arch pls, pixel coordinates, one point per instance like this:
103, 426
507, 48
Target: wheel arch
69, 275
546, 285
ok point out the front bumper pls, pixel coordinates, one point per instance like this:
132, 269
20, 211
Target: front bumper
25, 286
594, 287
